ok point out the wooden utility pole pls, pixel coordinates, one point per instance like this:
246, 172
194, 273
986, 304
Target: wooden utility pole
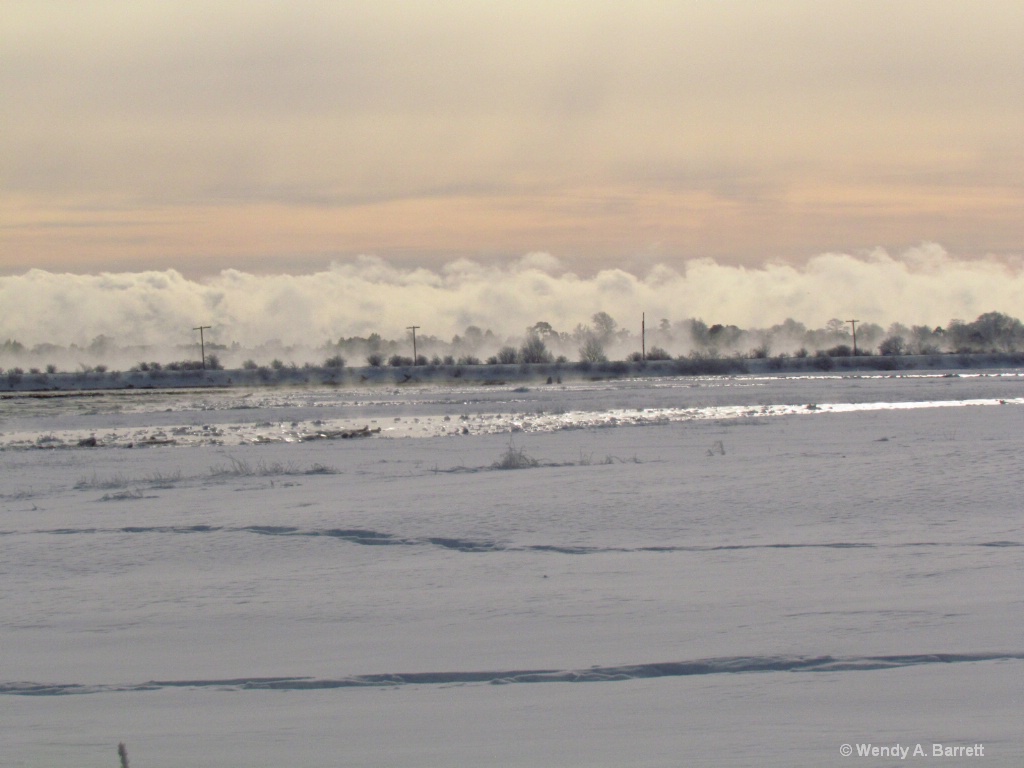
643, 335
853, 325
202, 344
413, 329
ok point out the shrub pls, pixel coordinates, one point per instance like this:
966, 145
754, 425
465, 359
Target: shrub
886, 363
698, 364
249, 365
336, 361
514, 458
534, 351
894, 345
180, 365
507, 355
397, 361
823, 361
375, 360
592, 351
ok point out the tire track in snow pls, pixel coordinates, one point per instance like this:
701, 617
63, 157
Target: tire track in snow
698, 667
367, 537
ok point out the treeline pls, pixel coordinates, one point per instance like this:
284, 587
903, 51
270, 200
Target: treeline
600, 340
603, 339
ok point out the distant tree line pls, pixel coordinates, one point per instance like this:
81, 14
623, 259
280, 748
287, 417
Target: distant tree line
600, 340
603, 339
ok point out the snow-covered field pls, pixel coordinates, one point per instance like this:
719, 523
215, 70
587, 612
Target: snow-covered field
745, 571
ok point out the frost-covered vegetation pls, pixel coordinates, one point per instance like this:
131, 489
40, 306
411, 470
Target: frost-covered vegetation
694, 345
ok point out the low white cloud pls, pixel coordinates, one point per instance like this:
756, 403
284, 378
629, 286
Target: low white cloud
925, 285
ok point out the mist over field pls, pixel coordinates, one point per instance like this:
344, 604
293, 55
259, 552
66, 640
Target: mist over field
924, 285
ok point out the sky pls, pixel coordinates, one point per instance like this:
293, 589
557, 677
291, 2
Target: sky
201, 141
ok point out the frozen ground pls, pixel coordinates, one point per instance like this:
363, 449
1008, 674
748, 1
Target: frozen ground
745, 571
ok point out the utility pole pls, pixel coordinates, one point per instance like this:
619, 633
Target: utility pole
413, 329
202, 344
643, 335
853, 325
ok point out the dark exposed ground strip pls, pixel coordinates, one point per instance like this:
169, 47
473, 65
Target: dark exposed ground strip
376, 538
716, 666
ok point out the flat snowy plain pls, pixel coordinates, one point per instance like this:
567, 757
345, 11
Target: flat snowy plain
716, 572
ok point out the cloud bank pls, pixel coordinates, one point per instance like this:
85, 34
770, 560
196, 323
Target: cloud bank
925, 285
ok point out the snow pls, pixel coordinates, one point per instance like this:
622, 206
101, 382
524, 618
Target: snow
744, 571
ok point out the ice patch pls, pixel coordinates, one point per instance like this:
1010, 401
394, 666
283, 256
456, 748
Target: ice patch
442, 425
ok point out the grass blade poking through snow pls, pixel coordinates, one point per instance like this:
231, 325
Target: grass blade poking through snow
514, 458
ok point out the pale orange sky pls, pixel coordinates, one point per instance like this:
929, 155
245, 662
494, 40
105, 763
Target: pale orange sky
278, 136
